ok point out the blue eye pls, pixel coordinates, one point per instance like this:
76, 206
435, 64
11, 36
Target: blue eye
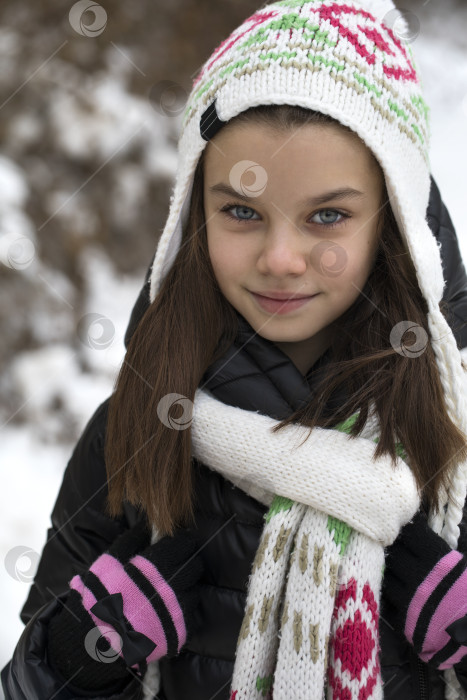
241, 209
326, 222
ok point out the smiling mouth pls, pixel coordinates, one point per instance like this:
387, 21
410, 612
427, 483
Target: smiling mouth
280, 306
285, 297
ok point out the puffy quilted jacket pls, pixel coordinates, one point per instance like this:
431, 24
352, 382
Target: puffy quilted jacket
228, 527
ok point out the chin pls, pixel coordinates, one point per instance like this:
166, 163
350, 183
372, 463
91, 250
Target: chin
282, 337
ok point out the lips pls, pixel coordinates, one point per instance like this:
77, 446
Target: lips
280, 306
283, 296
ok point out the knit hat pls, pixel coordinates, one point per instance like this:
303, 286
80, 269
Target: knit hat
343, 59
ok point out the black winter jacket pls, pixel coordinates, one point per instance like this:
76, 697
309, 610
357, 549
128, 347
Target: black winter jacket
228, 527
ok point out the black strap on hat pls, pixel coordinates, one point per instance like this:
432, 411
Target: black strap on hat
210, 122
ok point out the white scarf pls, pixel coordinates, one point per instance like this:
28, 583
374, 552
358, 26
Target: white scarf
311, 619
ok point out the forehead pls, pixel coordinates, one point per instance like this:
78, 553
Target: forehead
299, 150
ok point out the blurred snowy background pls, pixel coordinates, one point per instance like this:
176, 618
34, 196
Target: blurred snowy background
90, 107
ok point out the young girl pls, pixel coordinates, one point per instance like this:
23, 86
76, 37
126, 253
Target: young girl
199, 548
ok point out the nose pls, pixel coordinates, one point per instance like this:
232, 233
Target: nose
283, 252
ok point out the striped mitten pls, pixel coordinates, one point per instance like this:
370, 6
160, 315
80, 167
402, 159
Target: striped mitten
425, 583
127, 610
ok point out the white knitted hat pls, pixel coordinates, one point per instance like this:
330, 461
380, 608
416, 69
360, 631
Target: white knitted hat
342, 59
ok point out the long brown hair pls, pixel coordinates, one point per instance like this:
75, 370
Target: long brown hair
190, 325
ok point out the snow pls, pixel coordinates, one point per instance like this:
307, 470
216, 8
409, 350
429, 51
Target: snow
12, 184
62, 384
16, 229
93, 126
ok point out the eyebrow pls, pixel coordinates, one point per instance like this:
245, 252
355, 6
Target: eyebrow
340, 193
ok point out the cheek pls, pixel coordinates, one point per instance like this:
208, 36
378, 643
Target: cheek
229, 258
216, 250
219, 260
355, 272
361, 258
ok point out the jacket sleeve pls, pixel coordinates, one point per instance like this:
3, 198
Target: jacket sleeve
80, 532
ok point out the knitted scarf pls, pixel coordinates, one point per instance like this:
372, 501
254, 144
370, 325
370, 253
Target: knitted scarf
311, 617
310, 627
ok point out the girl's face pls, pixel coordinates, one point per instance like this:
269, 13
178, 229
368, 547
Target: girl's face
278, 227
